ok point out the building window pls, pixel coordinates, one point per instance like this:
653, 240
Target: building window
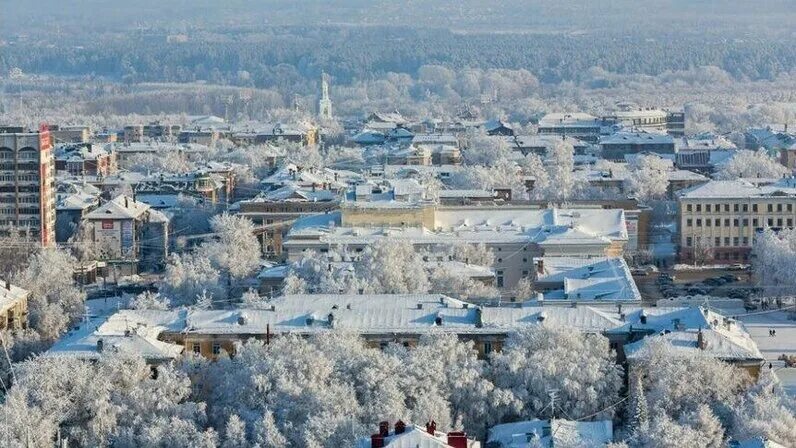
726, 241
499, 278
746, 241
735, 222
735, 207
735, 241
779, 222
707, 208
699, 207
790, 222
746, 222
699, 222
500, 260
717, 241
487, 348
727, 222
790, 207
754, 208
754, 222
216, 348
708, 222
524, 274
197, 348
717, 223
688, 208
689, 242
688, 222
770, 222
746, 207
779, 207
770, 208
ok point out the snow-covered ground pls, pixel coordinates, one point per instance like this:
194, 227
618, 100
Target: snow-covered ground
784, 342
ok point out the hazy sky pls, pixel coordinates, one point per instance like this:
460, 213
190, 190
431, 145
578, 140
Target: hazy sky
482, 15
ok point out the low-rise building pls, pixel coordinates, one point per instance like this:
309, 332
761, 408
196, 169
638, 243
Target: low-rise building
514, 234
616, 146
85, 159
599, 279
129, 234
416, 436
551, 434
718, 220
579, 125
13, 307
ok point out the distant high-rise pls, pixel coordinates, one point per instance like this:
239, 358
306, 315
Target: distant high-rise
27, 183
325, 104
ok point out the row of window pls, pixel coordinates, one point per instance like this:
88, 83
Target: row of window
736, 222
717, 208
717, 241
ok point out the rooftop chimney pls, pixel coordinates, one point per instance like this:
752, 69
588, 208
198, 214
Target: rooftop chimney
400, 427
457, 439
431, 428
377, 441
384, 428
701, 342
100, 344
125, 202
643, 317
8, 284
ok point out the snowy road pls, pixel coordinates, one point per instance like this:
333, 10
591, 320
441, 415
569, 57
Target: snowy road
772, 347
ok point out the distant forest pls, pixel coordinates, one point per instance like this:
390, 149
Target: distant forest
292, 58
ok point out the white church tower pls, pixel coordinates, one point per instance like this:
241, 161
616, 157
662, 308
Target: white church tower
325, 104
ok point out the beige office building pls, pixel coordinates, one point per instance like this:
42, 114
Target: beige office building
719, 219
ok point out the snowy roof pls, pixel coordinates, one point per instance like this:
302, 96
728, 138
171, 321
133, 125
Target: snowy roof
159, 200
573, 119
296, 193
76, 201
757, 442
415, 436
585, 319
554, 227
718, 344
274, 272
483, 194
441, 139
126, 331
365, 314
541, 141
739, 189
600, 278
11, 294
636, 138
548, 434
121, 207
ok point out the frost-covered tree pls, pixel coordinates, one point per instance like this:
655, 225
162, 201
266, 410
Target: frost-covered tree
752, 164
765, 411
539, 359
649, 178
188, 276
680, 387
393, 267
477, 254
453, 282
113, 402
55, 301
235, 252
775, 256
698, 428
149, 300
485, 150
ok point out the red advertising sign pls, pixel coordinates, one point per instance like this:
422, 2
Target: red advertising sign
107, 224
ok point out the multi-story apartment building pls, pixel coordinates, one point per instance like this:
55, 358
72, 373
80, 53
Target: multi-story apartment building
719, 219
13, 306
617, 146
27, 184
579, 125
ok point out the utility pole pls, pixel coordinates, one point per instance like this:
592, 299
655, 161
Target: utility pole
553, 393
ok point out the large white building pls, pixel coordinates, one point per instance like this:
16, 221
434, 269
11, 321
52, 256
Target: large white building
516, 235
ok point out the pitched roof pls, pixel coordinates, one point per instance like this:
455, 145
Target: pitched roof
121, 207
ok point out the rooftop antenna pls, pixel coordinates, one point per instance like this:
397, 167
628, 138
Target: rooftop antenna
553, 394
